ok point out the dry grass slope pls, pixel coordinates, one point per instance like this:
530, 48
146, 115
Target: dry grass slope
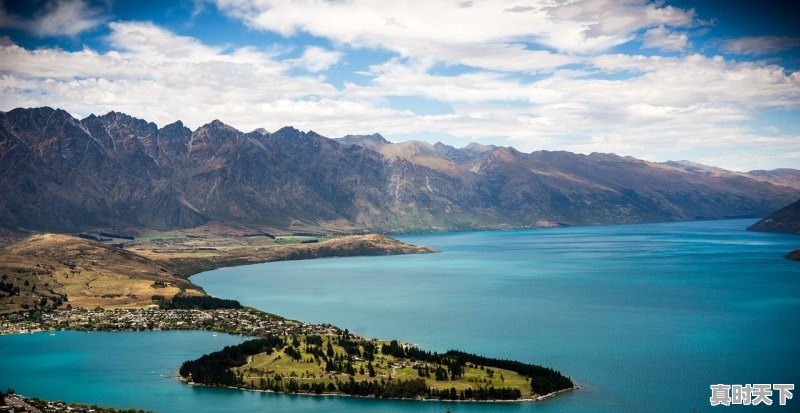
83, 273
54, 270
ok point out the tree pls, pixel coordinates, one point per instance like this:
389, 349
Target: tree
329, 350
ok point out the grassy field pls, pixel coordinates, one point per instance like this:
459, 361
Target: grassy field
56, 270
52, 270
311, 369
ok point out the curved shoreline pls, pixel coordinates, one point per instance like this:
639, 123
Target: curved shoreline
497, 401
343, 247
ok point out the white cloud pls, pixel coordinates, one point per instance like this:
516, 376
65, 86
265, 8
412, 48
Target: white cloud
494, 56
56, 18
759, 45
664, 39
687, 107
317, 59
569, 26
154, 74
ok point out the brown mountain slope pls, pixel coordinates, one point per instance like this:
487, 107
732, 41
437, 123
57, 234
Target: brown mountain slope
781, 176
62, 174
786, 219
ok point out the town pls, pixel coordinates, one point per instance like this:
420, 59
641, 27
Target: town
12, 402
244, 321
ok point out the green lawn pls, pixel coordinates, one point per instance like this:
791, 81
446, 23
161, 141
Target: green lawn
312, 370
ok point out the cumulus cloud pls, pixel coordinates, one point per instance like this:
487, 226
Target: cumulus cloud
647, 106
664, 39
759, 45
56, 18
571, 27
317, 59
155, 74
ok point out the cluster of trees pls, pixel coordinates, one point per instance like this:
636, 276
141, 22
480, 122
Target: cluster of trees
413, 388
314, 340
215, 368
394, 349
183, 302
116, 235
404, 389
370, 349
278, 384
292, 352
9, 288
543, 379
93, 237
350, 347
481, 393
340, 364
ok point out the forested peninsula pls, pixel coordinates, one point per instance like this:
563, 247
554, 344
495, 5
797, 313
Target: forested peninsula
146, 288
345, 364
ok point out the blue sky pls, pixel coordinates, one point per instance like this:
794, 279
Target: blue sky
712, 82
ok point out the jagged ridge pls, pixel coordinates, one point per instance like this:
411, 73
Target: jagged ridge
64, 174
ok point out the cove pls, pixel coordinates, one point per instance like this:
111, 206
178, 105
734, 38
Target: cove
645, 317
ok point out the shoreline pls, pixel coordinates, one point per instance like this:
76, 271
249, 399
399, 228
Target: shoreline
114, 319
185, 381
539, 398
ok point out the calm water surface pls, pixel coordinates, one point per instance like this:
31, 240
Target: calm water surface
644, 317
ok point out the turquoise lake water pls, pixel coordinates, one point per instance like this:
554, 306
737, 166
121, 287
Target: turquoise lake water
644, 317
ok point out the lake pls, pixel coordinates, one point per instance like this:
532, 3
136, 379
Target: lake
644, 317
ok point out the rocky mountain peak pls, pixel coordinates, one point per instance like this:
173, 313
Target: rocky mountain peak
478, 148
116, 171
289, 132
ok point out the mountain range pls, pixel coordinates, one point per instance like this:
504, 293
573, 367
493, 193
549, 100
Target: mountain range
62, 174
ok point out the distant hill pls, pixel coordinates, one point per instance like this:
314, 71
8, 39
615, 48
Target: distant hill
781, 176
61, 174
52, 270
45, 271
786, 219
